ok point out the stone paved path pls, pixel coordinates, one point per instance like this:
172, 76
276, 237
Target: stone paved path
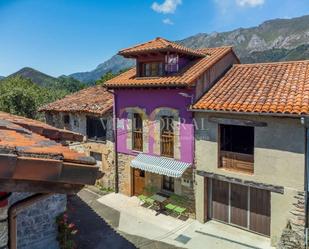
97, 225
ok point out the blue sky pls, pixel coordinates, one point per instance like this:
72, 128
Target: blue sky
67, 36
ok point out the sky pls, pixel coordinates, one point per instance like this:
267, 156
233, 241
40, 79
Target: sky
66, 36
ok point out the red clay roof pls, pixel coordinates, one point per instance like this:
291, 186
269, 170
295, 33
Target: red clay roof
93, 100
161, 45
186, 77
26, 154
281, 88
41, 128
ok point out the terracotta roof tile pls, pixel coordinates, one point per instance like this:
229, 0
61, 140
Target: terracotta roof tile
26, 155
281, 87
186, 77
159, 44
94, 100
40, 128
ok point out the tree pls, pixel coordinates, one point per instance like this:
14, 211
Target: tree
68, 84
109, 75
22, 97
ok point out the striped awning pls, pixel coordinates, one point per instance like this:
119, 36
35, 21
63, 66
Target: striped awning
160, 165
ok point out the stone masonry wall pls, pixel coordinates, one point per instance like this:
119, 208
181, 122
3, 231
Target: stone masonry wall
36, 225
293, 236
3, 222
125, 174
107, 165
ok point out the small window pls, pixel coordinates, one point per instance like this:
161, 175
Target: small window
168, 183
137, 138
152, 69
96, 128
76, 123
66, 119
236, 147
171, 63
167, 136
142, 173
97, 156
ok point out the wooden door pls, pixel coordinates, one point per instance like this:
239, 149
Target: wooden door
139, 181
260, 211
239, 205
220, 200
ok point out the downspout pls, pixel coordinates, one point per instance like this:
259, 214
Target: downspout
13, 212
115, 144
115, 132
305, 122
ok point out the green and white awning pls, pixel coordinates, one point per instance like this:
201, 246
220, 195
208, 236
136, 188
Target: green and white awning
160, 165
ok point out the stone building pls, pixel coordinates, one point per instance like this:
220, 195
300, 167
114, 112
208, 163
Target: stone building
155, 134
36, 174
252, 150
90, 113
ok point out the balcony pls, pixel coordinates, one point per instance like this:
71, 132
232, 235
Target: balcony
167, 144
236, 161
137, 140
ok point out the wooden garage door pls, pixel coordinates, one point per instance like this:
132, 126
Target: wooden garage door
241, 205
260, 211
220, 200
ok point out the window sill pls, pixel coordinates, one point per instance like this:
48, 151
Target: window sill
238, 171
96, 141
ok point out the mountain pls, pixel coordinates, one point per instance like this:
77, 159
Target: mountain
2, 77
114, 64
65, 83
274, 40
35, 76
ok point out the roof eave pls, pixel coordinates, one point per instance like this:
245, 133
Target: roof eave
274, 114
106, 111
136, 86
15, 168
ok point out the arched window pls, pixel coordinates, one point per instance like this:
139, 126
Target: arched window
167, 136
137, 132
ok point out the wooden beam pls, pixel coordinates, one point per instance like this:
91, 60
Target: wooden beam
241, 122
38, 187
269, 187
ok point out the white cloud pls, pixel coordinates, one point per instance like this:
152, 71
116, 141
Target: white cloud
167, 7
168, 21
250, 3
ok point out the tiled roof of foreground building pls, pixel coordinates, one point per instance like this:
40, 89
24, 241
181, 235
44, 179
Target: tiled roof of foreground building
28, 153
159, 44
281, 88
94, 100
186, 77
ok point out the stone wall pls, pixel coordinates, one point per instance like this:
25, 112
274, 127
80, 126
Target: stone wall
36, 225
107, 165
293, 236
125, 174
3, 222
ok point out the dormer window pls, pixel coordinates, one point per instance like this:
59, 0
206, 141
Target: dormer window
171, 63
152, 69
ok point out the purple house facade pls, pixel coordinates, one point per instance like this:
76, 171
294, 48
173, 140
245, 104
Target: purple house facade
155, 130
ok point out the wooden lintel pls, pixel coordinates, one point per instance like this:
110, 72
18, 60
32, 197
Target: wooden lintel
241, 122
269, 187
38, 187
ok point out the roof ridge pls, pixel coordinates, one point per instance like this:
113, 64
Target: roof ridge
270, 63
143, 43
